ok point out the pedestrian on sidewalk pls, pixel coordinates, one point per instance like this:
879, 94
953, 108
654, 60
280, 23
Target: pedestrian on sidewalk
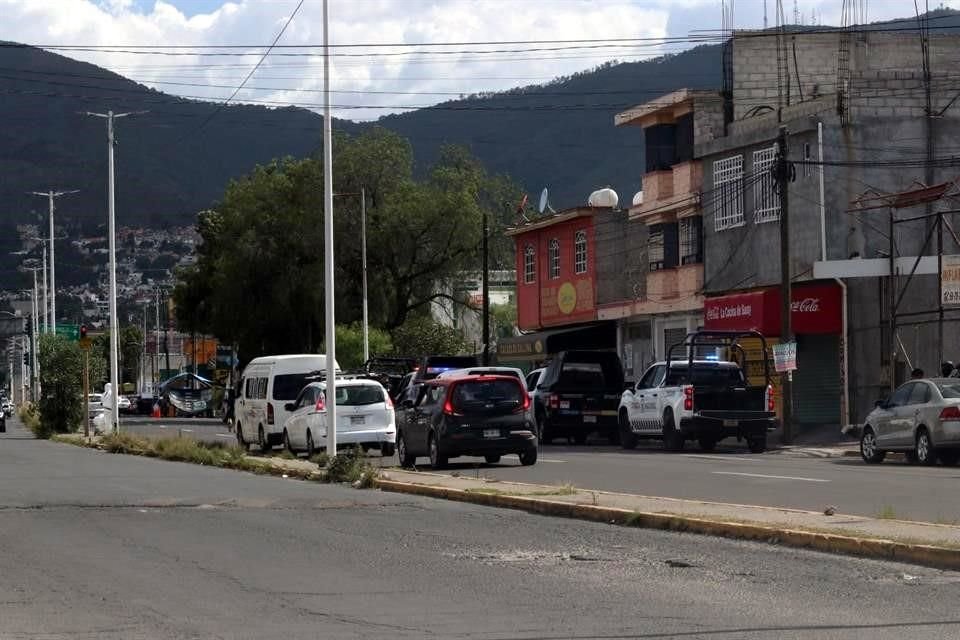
947, 370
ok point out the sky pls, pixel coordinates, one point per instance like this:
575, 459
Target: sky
369, 82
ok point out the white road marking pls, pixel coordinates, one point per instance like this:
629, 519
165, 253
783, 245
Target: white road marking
162, 426
722, 458
551, 460
760, 475
224, 435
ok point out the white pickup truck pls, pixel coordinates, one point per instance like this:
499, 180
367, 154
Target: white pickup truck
705, 400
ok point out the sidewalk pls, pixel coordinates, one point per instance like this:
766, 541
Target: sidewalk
930, 544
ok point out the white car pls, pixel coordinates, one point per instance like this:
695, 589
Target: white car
123, 403
365, 417
94, 403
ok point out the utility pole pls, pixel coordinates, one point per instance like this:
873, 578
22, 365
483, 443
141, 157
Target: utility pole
329, 316
34, 329
486, 292
51, 195
784, 176
363, 241
110, 116
156, 354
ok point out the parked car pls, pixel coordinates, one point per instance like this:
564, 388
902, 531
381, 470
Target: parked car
124, 405
705, 400
267, 385
466, 416
432, 366
512, 372
921, 419
8, 408
94, 404
365, 417
581, 394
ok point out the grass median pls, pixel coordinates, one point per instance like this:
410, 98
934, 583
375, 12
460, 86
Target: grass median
350, 466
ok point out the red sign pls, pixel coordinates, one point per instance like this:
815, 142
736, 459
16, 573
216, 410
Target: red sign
815, 308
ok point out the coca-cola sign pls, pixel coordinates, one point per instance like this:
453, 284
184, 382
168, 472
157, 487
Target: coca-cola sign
807, 305
815, 308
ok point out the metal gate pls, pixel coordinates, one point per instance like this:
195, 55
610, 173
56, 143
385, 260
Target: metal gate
816, 382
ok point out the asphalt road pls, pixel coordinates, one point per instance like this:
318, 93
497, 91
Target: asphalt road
94, 545
727, 475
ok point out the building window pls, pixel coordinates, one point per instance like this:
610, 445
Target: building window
691, 240
662, 246
728, 193
655, 247
766, 202
529, 265
554, 255
807, 157
580, 253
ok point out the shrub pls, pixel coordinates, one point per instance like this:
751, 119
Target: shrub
351, 466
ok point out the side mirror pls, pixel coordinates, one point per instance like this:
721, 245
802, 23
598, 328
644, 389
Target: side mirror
290, 406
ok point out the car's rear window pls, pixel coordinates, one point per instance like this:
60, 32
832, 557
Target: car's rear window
486, 394
287, 387
588, 375
359, 395
951, 390
705, 376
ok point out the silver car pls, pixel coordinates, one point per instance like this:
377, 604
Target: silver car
921, 419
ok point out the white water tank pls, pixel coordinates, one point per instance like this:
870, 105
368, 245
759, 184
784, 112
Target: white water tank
605, 197
638, 198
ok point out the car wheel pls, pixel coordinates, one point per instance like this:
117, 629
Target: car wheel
240, 441
628, 439
262, 441
387, 449
949, 457
437, 459
672, 438
757, 444
868, 448
528, 457
708, 444
923, 448
406, 459
492, 459
311, 447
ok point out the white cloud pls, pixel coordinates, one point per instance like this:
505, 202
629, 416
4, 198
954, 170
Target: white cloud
256, 22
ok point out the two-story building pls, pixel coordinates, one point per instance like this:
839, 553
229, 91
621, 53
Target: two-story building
568, 264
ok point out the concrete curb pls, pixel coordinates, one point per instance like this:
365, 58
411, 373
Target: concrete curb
879, 549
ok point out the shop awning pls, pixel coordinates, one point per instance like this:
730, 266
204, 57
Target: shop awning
539, 345
816, 308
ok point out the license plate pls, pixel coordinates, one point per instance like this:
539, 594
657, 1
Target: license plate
357, 419
731, 423
491, 433
590, 419
565, 404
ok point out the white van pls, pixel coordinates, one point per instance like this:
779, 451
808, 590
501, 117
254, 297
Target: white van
267, 385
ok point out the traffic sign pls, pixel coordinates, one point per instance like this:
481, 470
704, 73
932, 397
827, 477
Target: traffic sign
68, 331
85, 343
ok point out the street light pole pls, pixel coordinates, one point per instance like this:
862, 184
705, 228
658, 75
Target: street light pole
329, 319
363, 253
51, 195
110, 116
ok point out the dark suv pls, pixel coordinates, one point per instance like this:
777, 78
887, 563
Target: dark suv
466, 416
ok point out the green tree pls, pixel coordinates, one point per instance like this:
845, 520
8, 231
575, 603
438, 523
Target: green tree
350, 344
258, 280
421, 336
129, 350
62, 405
503, 318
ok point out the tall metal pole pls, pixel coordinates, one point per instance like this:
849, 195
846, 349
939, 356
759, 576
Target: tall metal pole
34, 326
53, 273
46, 307
486, 293
329, 317
110, 116
156, 354
363, 241
786, 325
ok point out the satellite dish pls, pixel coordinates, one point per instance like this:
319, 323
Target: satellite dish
545, 202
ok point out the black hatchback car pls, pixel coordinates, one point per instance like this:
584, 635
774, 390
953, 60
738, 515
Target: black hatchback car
466, 416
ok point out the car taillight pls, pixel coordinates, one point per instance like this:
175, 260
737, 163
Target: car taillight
771, 399
388, 402
526, 401
321, 403
688, 398
269, 413
950, 414
448, 407
554, 401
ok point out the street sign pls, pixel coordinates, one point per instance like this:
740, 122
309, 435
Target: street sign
85, 343
950, 281
68, 331
785, 357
